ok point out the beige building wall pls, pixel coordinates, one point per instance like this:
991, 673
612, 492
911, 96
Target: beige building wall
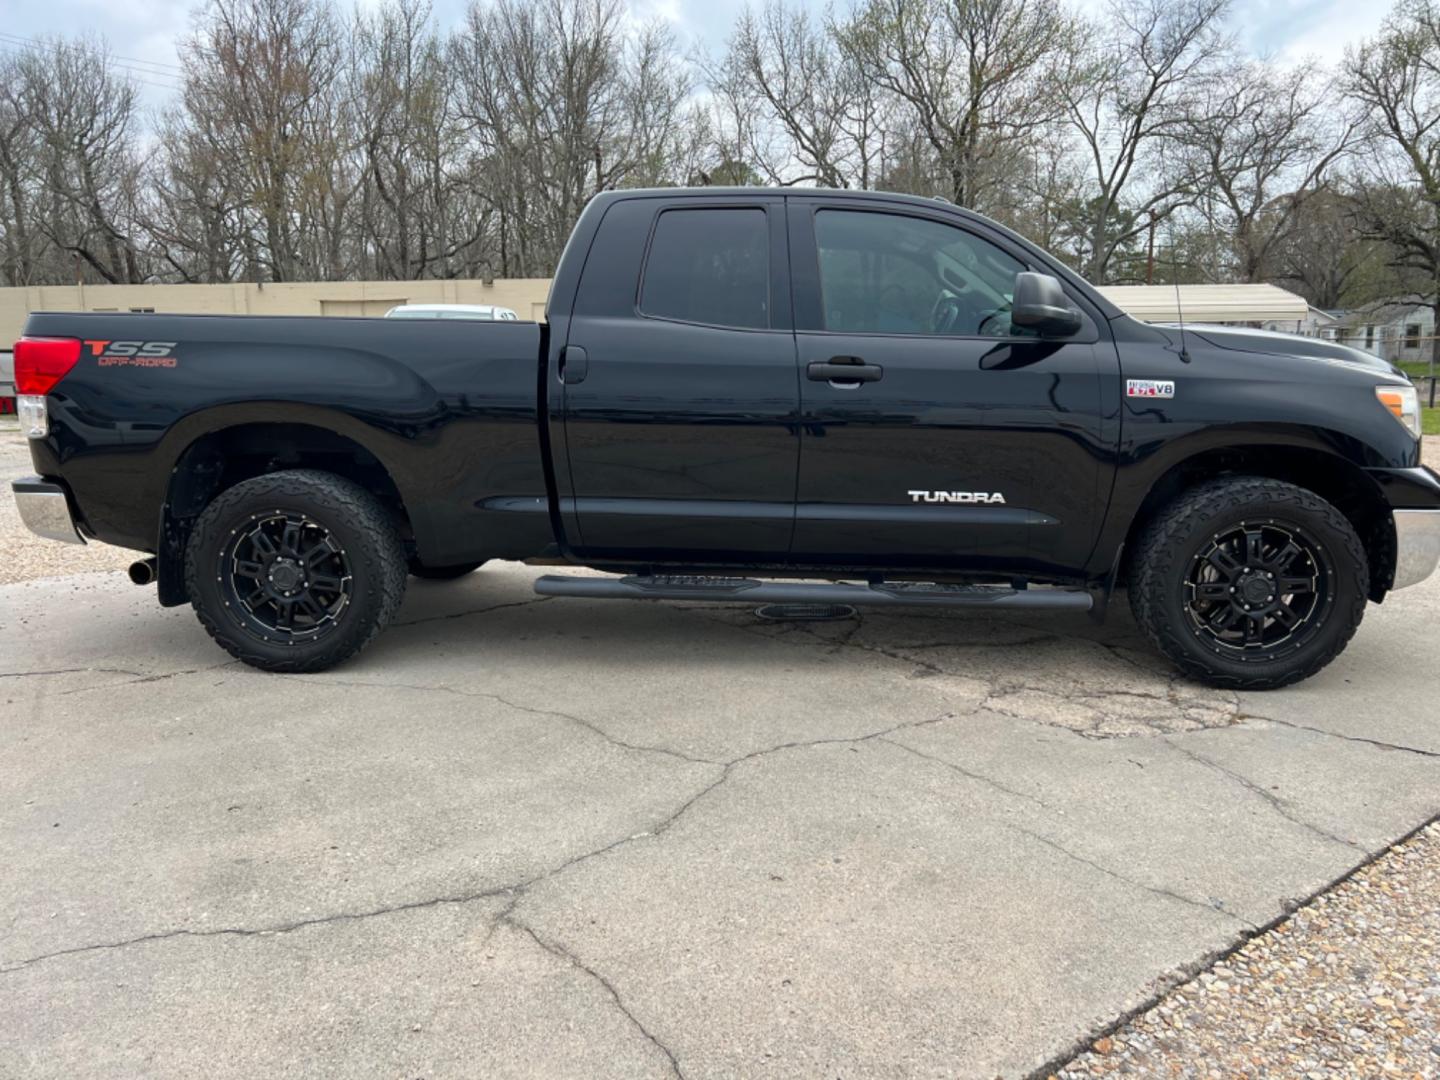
525, 296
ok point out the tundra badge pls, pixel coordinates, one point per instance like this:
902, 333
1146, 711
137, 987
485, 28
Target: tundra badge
984, 497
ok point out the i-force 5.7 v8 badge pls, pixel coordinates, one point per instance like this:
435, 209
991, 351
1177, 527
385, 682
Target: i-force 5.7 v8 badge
1159, 388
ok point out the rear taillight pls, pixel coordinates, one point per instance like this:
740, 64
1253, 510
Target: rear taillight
41, 362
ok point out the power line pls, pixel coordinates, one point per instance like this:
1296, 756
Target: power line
20, 39
167, 81
131, 76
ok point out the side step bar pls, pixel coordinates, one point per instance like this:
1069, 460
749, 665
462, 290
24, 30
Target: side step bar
751, 591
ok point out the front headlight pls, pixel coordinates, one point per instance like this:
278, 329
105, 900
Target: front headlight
1403, 403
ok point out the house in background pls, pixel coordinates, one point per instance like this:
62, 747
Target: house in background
1314, 323
1398, 332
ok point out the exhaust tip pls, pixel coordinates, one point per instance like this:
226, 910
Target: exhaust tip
142, 572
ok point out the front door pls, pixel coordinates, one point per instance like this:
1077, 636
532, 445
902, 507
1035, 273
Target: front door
681, 436
954, 440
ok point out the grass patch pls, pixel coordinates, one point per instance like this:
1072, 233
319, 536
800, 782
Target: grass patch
1430, 421
1416, 368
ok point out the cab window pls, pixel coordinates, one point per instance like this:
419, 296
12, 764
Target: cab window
893, 274
709, 266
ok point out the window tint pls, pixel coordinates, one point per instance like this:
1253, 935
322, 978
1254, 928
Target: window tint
886, 273
709, 266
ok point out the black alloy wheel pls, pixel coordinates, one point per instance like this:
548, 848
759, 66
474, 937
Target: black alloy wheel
1248, 582
1257, 588
295, 570
286, 576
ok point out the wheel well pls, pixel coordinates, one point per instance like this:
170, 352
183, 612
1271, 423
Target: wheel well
1334, 479
222, 459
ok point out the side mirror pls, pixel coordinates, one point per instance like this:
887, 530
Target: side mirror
1040, 304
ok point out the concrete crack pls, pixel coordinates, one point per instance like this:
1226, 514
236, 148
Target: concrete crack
326, 680
143, 678
557, 950
264, 931
967, 646
73, 671
1132, 882
1379, 743
980, 777
514, 890
1279, 805
473, 611
1055, 845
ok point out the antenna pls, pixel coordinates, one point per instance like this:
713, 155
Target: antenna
1175, 280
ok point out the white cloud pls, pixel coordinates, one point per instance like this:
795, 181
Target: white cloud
1301, 30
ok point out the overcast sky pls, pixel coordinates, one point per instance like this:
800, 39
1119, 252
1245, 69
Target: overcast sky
145, 31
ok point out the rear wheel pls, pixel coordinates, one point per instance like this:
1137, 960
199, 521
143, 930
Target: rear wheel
1249, 583
295, 571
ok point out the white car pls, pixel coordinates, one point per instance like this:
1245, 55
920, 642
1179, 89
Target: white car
484, 312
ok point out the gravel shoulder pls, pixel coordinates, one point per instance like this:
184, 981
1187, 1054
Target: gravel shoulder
1348, 986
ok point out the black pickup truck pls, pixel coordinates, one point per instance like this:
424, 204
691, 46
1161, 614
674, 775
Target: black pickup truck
751, 395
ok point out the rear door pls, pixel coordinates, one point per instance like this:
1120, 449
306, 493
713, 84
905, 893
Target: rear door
680, 431
963, 442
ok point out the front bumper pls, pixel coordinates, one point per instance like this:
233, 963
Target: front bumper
1417, 545
1414, 498
45, 509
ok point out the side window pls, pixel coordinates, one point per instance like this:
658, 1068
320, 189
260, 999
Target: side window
892, 274
709, 266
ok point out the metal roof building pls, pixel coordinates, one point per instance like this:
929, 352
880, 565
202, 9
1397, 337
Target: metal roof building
1208, 303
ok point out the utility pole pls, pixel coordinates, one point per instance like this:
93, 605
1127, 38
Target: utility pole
1150, 255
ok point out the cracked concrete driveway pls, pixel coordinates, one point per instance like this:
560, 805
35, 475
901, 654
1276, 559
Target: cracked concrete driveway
567, 838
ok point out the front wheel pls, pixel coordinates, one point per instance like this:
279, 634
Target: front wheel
1249, 583
295, 571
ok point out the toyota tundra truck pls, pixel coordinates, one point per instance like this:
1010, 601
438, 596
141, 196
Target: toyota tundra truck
750, 395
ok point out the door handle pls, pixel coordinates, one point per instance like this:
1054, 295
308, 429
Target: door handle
843, 369
574, 365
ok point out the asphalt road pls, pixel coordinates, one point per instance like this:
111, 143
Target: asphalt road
525, 837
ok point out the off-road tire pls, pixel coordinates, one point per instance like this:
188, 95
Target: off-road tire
1174, 540
361, 526
444, 573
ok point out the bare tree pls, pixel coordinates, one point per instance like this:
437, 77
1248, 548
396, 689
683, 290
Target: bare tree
1263, 143
195, 214
1395, 79
262, 94
1323, 255
1128, 113
79, 151
310, 145
975, 79
410, 148
798, 82
19, 246
561, 103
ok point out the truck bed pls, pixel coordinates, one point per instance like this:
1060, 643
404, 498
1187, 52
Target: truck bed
446, 406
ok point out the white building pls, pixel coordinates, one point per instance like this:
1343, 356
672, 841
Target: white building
1314, 323
1398, 332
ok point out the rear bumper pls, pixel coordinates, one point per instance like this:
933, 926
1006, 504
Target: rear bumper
45, 509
